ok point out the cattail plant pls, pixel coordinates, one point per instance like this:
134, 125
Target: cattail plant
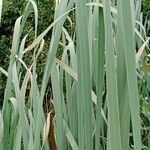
95, 93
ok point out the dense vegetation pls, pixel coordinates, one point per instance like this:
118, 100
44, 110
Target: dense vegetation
75, 75
11, 11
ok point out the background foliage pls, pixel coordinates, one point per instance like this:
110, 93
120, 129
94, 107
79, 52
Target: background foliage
11, 11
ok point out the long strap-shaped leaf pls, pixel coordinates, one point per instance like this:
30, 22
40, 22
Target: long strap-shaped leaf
129, 51
59, 127
122, 85
114, 135
8, 90
84, 79
100, 56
